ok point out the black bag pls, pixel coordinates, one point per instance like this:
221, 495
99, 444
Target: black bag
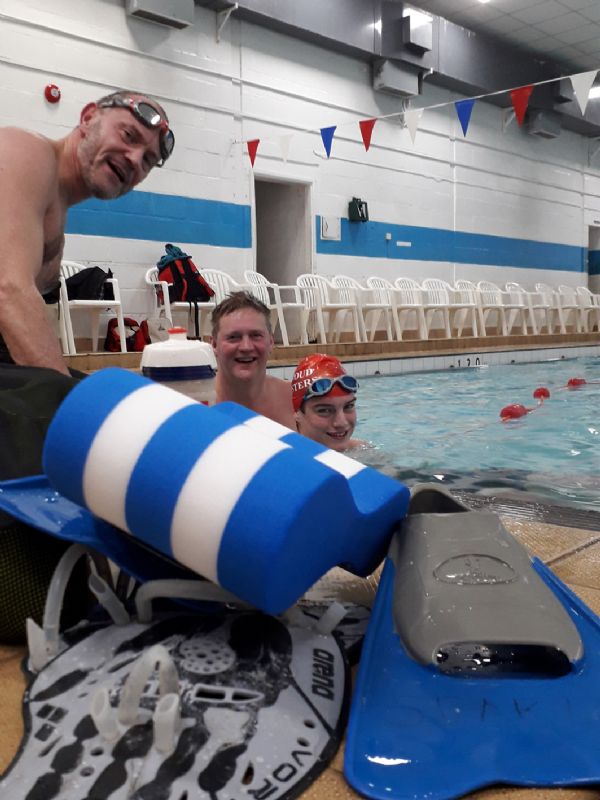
185, 282
87, 284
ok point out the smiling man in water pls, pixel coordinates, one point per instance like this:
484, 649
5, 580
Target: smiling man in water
118, 141
243, 340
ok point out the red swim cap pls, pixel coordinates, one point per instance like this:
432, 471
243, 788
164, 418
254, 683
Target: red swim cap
573, 383
317, 365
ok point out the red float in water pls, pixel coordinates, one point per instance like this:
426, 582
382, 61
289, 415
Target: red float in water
573, 383
514, 411
541, 393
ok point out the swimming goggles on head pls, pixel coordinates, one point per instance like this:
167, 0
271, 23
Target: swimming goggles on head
323, 386
148, 116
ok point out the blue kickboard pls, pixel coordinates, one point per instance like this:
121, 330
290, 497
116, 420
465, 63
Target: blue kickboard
418, 734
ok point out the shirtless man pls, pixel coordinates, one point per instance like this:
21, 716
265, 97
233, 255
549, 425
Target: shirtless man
119, 139
242, 340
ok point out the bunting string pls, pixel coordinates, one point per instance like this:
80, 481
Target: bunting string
581, 82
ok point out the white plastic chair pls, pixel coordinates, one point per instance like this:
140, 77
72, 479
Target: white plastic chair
161, 302
590, 307
418, 295
321, 298
493, 299
565, 308
93, 307
56, 315
409, 300
536, 304
384, 293
440, 293
270, 294
371, 306
568, 299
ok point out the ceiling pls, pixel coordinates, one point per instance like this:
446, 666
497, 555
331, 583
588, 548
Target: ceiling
560, 30
471, 48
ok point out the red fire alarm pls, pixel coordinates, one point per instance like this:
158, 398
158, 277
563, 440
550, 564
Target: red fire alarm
52, 93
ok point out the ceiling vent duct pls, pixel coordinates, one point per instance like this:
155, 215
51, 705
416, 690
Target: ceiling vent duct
417, 30
545, 124
173, 13
395, 78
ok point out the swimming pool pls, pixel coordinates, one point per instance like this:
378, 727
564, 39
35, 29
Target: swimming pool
445, 426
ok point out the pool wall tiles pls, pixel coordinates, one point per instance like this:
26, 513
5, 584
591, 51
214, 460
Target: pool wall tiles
463, 360
496, 204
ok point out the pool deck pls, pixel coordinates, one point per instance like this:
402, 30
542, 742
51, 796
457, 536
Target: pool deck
573, 553
367, 351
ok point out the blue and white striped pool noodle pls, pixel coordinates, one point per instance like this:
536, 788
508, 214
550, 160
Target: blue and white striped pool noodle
370, 489
260, 516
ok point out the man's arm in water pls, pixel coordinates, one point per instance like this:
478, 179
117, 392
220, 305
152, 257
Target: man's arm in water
28, 180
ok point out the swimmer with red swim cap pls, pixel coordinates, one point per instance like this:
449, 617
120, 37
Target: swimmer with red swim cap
324, 399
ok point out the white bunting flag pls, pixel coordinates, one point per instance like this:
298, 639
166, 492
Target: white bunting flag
582, 83
412, 119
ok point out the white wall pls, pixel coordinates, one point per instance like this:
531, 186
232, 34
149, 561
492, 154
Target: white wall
258, 84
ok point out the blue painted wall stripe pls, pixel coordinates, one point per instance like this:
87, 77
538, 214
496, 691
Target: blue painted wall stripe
171, 218
367, 239
163, 218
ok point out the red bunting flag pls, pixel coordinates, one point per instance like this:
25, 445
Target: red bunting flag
366, 129
520, 99
252, 146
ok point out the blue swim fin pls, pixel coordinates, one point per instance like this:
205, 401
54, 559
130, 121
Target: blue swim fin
33, 501
479, 666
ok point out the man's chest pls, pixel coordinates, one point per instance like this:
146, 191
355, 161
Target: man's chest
54, 241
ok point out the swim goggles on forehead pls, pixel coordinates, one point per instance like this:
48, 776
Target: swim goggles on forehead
323, 386
148, 116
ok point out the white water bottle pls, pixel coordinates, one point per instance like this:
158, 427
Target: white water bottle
186, 365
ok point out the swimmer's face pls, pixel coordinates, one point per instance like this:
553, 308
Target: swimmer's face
243, 344
328, 420
116, 151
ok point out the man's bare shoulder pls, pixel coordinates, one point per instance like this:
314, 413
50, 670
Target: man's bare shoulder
283, 388
21, 149
278, 403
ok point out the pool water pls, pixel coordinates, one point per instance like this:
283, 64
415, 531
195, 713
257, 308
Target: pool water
445, 427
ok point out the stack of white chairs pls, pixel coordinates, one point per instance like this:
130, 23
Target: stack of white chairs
569, 298
590, 308
322, 300
270, 294
467, 292
222, 284
537, 306
493, 301
409, 300
440, 294
566, 306
371, 306
384, 293
93, 307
